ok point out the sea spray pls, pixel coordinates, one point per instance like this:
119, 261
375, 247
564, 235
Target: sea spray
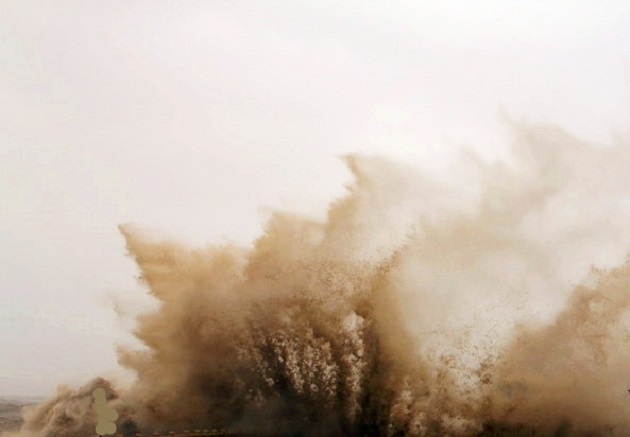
493, 301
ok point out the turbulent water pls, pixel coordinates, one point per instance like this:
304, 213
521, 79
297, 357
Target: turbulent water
493, 301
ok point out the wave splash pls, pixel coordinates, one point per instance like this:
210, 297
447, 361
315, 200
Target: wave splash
494, 302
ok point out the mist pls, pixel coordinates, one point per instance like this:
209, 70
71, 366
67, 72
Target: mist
490, 302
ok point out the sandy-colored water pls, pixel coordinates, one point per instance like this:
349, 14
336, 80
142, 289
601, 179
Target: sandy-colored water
494, 301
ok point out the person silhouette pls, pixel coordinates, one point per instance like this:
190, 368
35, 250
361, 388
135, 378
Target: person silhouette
106, 416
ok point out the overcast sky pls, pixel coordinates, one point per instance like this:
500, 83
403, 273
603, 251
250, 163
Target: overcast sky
192, 117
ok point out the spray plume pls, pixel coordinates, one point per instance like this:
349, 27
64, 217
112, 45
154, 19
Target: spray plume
494, 302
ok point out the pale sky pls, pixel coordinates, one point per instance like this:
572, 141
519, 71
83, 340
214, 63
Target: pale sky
194, 117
